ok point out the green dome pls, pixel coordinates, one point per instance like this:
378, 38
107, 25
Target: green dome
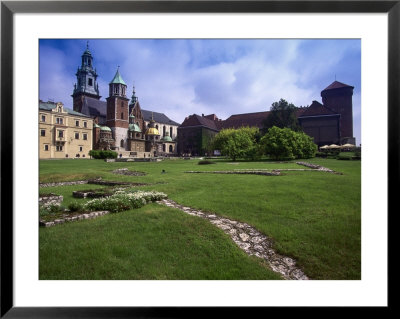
134, 128
166, 138
105, 128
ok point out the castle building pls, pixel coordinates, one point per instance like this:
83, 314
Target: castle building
63, 133
119, 122
329, 122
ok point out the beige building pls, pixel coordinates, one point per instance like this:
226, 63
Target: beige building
63, 133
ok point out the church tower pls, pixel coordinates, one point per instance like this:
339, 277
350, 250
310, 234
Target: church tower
339, 98
86, 81
118, 111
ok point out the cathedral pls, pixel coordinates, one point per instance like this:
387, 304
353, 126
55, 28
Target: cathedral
119, 122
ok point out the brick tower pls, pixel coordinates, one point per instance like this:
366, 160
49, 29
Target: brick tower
339, 98
118, 111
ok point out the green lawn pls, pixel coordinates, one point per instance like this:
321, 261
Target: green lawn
314, 217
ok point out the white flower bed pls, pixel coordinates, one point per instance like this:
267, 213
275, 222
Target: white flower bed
121, 201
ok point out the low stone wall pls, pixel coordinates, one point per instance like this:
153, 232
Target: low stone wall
254, 172
125, 171
53, 199
62, 183
318, 168
248, 239
73, 218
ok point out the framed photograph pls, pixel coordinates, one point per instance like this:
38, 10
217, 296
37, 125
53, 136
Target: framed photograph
39, 45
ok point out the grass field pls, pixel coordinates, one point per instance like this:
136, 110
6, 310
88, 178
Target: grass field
314, 217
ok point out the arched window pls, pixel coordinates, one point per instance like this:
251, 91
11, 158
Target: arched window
122, 143
171, 149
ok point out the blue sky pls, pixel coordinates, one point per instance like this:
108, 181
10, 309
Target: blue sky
225, 77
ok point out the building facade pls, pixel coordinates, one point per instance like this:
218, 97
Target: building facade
63, 133
196, 133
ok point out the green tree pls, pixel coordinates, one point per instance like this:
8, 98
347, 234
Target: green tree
237, 143
282, 114
285, 143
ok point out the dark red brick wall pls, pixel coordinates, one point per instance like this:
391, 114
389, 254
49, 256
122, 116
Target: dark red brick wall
341, 101
117, 112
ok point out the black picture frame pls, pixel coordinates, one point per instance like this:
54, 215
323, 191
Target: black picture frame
9, 8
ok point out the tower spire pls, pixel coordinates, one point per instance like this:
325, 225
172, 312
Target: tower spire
86, 80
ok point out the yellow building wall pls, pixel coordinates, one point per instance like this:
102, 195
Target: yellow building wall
68, 146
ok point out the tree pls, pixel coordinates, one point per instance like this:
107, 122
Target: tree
285, 143
282, 114
237, 143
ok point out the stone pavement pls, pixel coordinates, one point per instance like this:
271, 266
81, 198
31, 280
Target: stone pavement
248, 239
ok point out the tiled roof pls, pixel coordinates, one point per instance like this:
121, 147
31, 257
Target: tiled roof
337, 85
48, 106
315, 109
95, 108
246, 119
197, 120
158, 117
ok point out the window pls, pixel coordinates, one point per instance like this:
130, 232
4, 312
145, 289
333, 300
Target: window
80, 148
84, 124
171, 149
60, 133
76, 123
76, 136
59, 120
46, 147
122, 116
164, 130
42, 132
84, 136
43, 118
59, 148
163, 147
170, 132
122, 143
90, 82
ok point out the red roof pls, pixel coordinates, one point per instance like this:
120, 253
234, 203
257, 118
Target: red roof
315, 109
337, 85
246, 119
197, 120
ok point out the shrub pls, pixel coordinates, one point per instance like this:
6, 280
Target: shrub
357, 154
103, 154
287, 144
50, 209
237, 143
75, 207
